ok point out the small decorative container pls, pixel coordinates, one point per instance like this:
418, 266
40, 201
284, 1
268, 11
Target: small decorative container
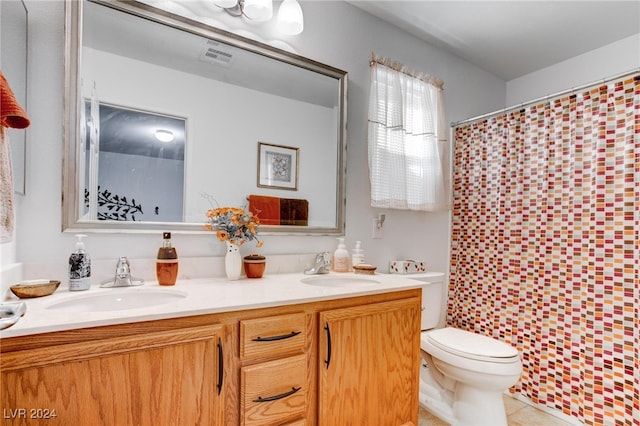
254, 265
406, 267
363, 268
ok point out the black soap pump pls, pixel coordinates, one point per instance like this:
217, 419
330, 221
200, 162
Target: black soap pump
79, 267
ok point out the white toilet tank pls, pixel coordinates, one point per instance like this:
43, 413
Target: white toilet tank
432, 302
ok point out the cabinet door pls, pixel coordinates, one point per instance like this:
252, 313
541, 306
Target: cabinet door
369, 364
163, 378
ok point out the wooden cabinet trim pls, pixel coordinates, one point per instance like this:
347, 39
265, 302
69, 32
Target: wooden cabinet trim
356, 311
116, 345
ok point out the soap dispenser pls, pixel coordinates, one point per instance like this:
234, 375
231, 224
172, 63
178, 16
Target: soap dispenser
357, 257
79, 267
167, 262
341, 257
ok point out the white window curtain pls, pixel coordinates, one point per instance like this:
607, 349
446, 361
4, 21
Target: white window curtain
409, 153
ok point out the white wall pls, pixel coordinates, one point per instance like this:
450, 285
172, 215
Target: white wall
590, 67
335, 33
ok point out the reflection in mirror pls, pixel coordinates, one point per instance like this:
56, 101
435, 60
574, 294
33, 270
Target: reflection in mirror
139, 167
229, 95
14, 37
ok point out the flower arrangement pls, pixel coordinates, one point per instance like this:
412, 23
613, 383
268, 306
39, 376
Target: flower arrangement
233, 224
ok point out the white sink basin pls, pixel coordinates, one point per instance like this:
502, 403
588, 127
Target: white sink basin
337, 281
118, 300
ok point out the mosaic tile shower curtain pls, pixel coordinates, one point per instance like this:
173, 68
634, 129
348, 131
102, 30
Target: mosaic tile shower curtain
546, 251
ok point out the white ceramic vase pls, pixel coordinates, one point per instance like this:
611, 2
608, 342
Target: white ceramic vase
232, 261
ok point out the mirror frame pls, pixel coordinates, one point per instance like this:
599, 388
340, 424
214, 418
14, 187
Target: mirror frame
72, 105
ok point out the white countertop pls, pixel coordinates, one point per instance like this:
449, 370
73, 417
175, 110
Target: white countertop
204, 296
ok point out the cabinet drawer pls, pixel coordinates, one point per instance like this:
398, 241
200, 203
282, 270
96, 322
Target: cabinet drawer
272, 335
273, 392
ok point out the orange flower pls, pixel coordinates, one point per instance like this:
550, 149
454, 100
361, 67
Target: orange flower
233, 224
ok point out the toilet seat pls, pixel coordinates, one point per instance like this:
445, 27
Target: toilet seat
470, 345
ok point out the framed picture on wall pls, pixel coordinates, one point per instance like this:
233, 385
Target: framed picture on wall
277, 166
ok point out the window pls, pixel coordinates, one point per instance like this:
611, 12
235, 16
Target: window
408, 149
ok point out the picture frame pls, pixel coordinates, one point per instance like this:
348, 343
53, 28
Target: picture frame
278, 166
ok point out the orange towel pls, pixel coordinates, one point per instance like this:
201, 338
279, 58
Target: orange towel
266, 208
11, 113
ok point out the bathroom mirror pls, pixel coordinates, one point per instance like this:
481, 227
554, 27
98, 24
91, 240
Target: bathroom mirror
129, 63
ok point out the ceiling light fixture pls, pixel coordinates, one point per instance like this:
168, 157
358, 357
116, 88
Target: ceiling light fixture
290, 20
164, 135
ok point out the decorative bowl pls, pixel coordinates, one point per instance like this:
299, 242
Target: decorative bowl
365, 269
35, 288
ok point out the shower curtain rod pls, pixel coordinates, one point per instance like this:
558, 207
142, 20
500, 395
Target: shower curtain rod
455, 124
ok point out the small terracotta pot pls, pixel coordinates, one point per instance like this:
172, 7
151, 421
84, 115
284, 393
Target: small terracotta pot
254, 265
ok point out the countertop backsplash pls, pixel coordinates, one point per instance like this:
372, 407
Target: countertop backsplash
104, 269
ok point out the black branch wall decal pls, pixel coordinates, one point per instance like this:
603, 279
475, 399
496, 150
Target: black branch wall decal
115, 207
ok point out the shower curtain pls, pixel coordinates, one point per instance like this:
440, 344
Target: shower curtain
546, 247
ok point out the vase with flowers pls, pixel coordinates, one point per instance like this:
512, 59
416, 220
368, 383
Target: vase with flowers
234, 226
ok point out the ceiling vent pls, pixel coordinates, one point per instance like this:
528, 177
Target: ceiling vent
216, 53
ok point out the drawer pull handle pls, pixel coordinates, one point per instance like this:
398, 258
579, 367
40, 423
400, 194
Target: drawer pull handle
274, 338
220, 366
328, 360
276, 397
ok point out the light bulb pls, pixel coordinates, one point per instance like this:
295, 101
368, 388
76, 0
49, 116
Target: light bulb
226, 3
290, 18
258, 10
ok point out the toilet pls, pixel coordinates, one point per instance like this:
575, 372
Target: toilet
463, 375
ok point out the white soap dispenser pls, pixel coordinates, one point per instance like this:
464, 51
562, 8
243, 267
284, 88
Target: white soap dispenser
79, 267
341, 257
357, 257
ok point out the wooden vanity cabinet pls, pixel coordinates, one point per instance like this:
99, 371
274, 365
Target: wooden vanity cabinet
369, 364
159, 378
267, 366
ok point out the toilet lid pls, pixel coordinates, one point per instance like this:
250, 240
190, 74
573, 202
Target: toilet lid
471, 345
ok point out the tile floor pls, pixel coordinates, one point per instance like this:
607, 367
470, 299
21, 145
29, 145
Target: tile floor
518, 414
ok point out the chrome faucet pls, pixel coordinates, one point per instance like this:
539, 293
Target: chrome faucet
123, 276
321, 264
